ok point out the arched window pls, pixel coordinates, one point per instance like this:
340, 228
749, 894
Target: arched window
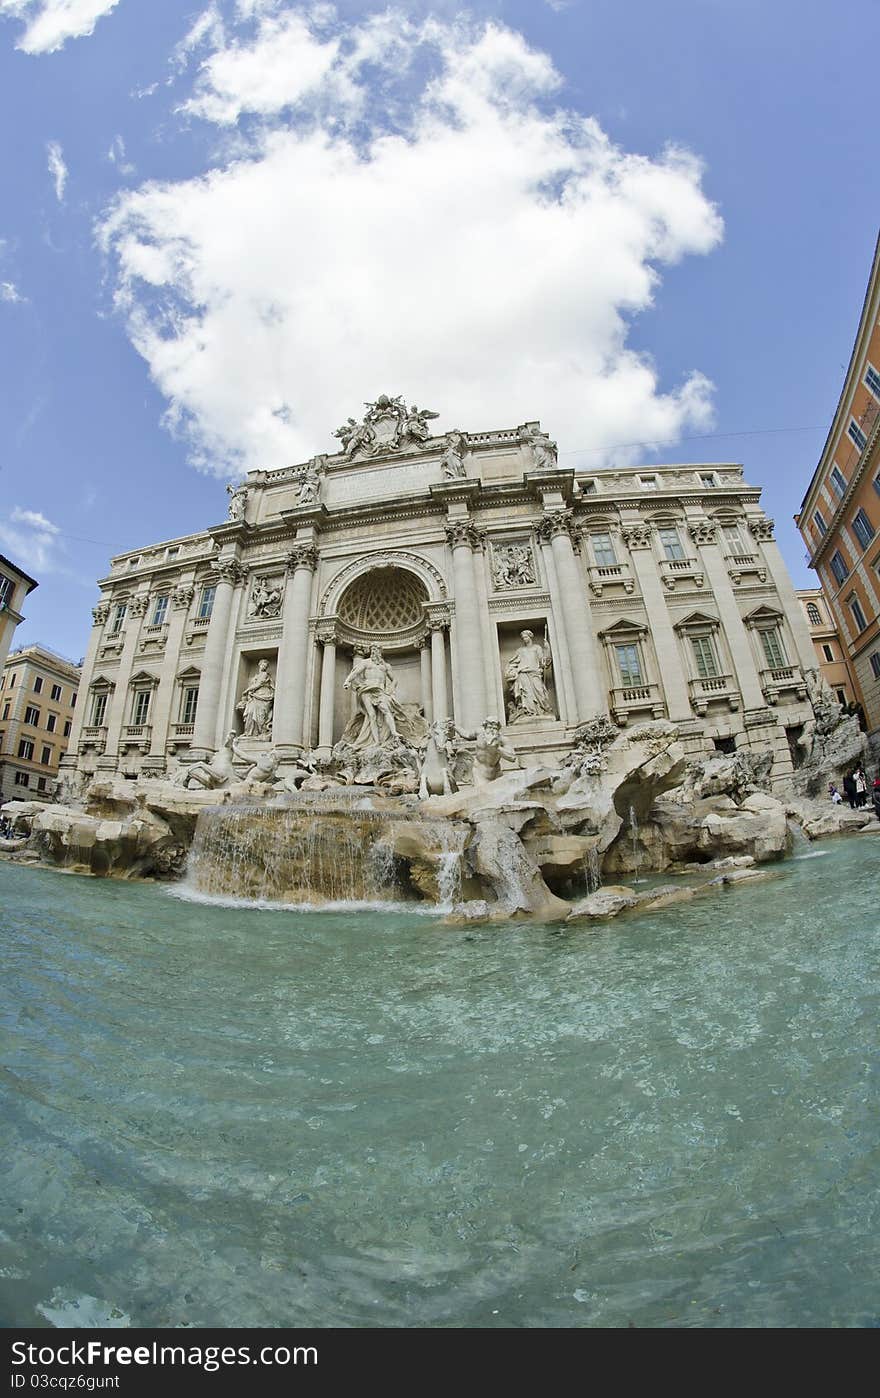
814, 616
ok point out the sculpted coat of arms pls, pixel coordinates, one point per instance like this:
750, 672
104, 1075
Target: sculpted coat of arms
387, 425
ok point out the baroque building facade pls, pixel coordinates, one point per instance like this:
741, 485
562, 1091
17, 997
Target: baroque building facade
492, 580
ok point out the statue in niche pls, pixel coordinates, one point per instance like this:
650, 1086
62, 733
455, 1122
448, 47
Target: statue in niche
452, 462
513, 566
266, 598
238, 498
543, 449
415, 424
525, 673
491, 750
309, 486
257, 702
381, 720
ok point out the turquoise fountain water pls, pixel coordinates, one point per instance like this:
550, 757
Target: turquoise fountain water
216, 1115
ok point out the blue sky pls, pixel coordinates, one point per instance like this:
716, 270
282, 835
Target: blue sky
223, 226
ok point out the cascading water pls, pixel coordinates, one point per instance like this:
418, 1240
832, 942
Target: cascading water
634, 838
592, 876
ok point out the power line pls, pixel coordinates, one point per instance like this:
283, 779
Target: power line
696, 437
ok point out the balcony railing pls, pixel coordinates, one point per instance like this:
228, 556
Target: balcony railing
94, 736
711, 689
673, 570
641, 698
778, 679
602, 575
183, 730
739, 564
137, 734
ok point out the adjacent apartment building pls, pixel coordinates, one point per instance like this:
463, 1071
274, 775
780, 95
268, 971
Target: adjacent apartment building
38, 692
14, 588
830, 650
840, 514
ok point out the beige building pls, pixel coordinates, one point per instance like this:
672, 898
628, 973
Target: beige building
830, 651
14, 588
38, 694
656, 592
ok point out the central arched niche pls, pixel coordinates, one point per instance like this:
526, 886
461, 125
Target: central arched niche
385, 605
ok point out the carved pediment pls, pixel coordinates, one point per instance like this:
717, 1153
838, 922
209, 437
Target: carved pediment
763, 616
697, 621
624, 629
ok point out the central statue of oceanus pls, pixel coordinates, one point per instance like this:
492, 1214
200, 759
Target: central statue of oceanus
381, 720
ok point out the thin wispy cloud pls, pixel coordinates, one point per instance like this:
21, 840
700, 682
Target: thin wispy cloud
10, 293
410, 208
117, 156
57, 169
50, 23
28, 537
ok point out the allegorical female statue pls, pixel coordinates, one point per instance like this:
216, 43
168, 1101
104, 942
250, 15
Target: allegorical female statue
525, 673
256, 703
381, 720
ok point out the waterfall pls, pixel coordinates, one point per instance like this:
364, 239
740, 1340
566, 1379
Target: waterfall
634, 838
592, 876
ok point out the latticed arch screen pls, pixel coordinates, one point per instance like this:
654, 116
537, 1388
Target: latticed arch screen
382, 601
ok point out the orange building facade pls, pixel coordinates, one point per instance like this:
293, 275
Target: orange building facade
831, 654
840, 514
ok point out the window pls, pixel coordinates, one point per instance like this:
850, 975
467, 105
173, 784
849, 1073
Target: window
710, 481
857, 435
2, 736
12, 679
32, 716
73, 701
774, 651
38, 685
732, 538
41, 783
814, 616
206, 605
6, 708
7, 590
872, 380
838, 567
588, 487
133, 562
161, 609
190, 704
841, 697
875, 664
704, 657
630, 666
118, 619
828, 653
863, 528
51, 720
99, 708
141, 706
26, 749
819, 522
648, 482
670, 543
838, 480
22, 779
56, 693
855, 607
67, 728
172, 552
46, 757
603, 550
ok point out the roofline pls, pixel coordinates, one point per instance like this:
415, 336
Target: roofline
26, 577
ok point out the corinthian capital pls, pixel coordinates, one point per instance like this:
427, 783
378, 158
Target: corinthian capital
138, 605
181, 597
326, 632
302, 556
705, 531
637, 536
100, 613
229, 570
557, 522
761, 529
463, 531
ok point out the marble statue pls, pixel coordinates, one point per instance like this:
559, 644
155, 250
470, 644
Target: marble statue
525, 672
452, 461
490, 751
543, 449
415, 424
309, 486
436, 771
208, 776
513, 566
262, 767
381, 720
238, 497
256, 703
266, 598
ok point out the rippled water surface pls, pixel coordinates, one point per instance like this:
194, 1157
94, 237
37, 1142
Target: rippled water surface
227, 1116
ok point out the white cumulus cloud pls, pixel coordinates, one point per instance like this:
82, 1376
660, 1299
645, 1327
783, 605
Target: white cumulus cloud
50, 23
407, 208
30, 539
57, 168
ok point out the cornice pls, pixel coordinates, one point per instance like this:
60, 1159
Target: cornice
837, 519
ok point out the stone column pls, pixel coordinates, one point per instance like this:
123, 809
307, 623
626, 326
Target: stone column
590, 696
438, 667
83, 694
762, 532
327, 637
463, 538
673, 682
425, 666
293, 654
160, 715
705, 535
204, 743
117, 715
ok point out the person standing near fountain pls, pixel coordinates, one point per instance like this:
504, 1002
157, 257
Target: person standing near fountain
257, 702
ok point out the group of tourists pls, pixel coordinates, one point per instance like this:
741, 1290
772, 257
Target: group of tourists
856, 789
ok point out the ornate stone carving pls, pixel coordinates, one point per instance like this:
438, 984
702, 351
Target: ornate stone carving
637, 536
387, 425
452, 461
325, 631
525, 672
439, 616
490, 751
302, 556
181, 598
138, 605
100, 613
513, 566
267, 596
762, 529
386, 558
543, 450
256, 703
381, 720
704, 531
557, 522
238, 498
463, 532
309, 481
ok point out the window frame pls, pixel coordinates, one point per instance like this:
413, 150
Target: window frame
861, 528
854, 603
838, 481
839, 577
665, 544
